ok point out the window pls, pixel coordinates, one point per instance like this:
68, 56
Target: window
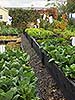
1, 16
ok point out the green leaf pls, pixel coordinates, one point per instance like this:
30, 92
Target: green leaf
16, 97
28, 58
14, 71
9, 95
52, 59
1, 90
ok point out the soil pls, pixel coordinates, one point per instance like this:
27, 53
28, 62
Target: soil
47, 88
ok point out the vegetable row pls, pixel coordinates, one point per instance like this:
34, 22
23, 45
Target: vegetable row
7, 30
59, 50
42, 33
17, 79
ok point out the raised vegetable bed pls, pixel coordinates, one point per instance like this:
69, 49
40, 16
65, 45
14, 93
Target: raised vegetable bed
9, 31
66, 85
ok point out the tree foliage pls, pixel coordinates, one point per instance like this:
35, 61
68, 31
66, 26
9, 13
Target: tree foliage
22, 17
71, 6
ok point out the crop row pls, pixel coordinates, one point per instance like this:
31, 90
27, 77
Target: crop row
58, 48
17, 79
8, 30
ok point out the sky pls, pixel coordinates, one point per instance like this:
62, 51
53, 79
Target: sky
24, 3
20, 3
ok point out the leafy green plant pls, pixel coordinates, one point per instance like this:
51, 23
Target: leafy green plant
60, 51
42, 33
5, 30
53, 41
39, 32
58, 47
67, 33
69, 71
17, 79
63, 56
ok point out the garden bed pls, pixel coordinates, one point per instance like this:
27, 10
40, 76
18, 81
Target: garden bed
17, 79
66, 85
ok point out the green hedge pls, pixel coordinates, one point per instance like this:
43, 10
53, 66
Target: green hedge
22, 17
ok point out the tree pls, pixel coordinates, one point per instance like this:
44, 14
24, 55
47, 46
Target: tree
71, 6
22, 17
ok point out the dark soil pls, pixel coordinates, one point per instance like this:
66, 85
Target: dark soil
46, 86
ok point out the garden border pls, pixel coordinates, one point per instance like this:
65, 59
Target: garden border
6, 41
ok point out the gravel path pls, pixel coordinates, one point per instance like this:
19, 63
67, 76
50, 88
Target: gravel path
47, 88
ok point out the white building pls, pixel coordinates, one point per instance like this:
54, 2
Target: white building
3, 15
